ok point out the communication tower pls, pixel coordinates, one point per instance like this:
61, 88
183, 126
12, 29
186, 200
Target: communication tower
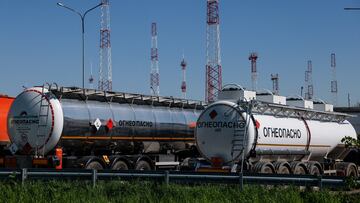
213, 58
154, 72
275, 82
334, 89
253, 57
105, 71
309, 88
183, 83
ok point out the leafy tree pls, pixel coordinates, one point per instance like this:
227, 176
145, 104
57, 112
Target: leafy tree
351, 142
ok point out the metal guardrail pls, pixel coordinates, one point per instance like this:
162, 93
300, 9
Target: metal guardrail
174, 177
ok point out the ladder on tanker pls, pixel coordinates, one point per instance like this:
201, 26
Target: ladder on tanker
238, 142
240, 137
43, 116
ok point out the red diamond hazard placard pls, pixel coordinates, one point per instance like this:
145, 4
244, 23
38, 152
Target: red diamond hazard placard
110, 124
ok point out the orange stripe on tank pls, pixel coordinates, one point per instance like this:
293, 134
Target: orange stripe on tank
68, 137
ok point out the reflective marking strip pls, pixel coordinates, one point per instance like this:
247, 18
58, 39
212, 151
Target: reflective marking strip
290, 145
126, 138
169, 163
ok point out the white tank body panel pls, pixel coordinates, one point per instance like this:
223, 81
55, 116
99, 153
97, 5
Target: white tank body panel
35, 121
282, 134
325, 136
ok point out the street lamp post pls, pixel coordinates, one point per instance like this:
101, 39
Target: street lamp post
82, 16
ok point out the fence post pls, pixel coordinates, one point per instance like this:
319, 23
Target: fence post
320, 184
241, 179
167, 177
23, 175
94, 177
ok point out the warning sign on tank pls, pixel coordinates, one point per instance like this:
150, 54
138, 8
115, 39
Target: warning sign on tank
25, 125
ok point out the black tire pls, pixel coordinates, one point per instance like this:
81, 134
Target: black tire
94, 165
267, 170
299, 170
314, 170
264, 167
283, 170
142, 166
352, 171
120, 165
282, 167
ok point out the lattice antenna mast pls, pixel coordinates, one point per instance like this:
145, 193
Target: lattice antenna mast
213, 59
309, 88
253, 57
105, 71
91, 77
275, 82
154, 72
183, 83
334, 88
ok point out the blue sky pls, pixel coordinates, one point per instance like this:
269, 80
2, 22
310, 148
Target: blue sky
41, 42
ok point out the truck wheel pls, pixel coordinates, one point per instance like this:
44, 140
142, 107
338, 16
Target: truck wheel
282, 167
346, 169
351, 171
299, 170
94, 165
314, 168
264, 167
120, 165
143, 166
267, 170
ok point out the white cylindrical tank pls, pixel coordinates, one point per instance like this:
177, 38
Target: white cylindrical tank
224, 129
35, 121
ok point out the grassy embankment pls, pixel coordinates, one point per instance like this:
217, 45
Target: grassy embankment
117, 191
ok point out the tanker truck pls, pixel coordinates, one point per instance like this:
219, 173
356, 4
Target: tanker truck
266, 133
69, 127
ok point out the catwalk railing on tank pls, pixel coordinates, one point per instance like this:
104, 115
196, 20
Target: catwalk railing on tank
122, 97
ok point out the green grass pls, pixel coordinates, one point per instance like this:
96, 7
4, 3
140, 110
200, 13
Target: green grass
118, 191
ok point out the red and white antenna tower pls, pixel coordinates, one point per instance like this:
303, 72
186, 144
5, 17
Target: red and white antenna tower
213, 59
275, 81
183, 83
309, 91
154, 72
253, 57
334, 89
105, 72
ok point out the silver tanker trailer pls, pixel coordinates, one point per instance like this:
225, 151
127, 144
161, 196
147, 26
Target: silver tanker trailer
266, 133
73, 127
